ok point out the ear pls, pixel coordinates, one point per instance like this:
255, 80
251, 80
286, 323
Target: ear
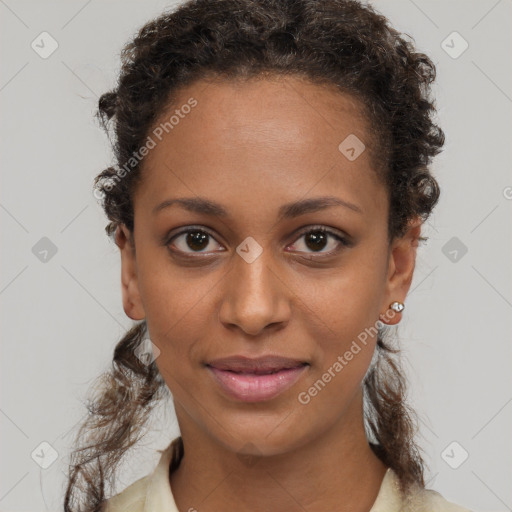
132, 303
402, 260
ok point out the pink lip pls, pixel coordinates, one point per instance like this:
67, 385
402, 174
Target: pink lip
249, 387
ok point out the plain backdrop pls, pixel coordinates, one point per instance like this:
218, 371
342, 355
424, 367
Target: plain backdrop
61, 309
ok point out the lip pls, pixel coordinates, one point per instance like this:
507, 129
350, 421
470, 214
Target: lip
244, 379
255, 364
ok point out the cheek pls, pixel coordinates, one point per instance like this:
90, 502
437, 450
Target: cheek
179, 317
343, 354
341, 316
174, 298
343, 307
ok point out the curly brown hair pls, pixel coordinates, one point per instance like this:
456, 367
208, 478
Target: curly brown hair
336, 42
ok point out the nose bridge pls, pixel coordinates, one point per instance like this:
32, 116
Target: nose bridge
253, 267
253, 298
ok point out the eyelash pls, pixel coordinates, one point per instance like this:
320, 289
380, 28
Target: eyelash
310, 229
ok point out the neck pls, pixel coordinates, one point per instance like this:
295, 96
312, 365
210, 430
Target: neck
337, 470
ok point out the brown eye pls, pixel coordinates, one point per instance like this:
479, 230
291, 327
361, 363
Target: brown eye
192, 241
317, 239
196, 240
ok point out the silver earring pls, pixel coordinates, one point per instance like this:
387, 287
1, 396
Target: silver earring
397, 306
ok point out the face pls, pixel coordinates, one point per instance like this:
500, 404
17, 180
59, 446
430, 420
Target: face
254, 275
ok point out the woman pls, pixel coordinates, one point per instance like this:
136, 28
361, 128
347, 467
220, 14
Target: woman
270, 185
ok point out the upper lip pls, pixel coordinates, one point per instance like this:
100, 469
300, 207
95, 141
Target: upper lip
258, 364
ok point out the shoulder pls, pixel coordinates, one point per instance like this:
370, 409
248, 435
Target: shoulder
417, 499
428, 500
131, 499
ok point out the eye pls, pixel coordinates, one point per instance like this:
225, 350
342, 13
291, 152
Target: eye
317, 238
200, 241
196, 239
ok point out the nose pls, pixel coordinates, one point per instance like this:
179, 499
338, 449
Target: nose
255, 297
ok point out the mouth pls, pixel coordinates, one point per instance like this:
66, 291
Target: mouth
256, 384
257, 365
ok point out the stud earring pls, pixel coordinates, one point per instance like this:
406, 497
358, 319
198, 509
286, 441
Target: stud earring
397, 306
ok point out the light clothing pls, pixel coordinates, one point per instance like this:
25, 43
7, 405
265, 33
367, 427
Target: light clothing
152, 493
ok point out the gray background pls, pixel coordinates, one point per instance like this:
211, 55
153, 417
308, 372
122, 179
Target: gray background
62, 317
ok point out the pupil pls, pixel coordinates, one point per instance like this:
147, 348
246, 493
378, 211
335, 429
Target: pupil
317, 238
197, 237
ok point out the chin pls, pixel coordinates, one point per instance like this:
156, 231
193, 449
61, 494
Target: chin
265, 438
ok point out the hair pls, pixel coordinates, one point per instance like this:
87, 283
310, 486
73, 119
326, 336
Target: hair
344, 43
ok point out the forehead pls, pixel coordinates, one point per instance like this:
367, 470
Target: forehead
274, 138
290, 112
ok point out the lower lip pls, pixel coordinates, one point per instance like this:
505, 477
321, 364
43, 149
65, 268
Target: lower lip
256, 388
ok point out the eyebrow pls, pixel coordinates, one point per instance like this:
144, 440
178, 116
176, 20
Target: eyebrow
287, 211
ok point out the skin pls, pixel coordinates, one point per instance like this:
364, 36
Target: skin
253, 147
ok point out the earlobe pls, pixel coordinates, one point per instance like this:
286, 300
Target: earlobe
132, 303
